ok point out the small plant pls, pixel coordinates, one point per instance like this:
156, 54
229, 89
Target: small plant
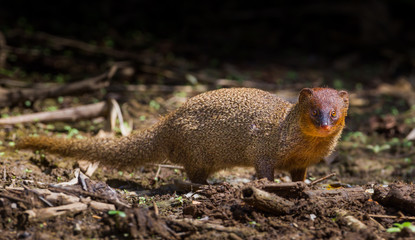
155, 105
141, 200
180, 200
399, 226
356, 137
71, 131
116, 212
254, 224
377, 148
51, 108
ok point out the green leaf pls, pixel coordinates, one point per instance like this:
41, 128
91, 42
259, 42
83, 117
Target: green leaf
112, 212
122, 214
393, 229
116, 212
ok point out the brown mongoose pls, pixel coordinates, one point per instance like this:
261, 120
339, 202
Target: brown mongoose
222, 129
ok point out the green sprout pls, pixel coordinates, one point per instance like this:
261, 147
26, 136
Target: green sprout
179, 199
116, 212
398, 227
377, 148
71, 131
141, 200
253, 223
155, 105
51, 108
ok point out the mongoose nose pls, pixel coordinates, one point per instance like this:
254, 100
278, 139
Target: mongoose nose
325, 127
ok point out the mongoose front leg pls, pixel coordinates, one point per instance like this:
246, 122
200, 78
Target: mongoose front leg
264, 169
298, 174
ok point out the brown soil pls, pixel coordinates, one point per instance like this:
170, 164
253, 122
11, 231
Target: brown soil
160, 209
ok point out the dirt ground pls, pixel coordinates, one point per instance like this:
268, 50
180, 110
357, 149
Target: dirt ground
150, 202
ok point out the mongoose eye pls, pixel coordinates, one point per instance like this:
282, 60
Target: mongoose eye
314, 113
333, 114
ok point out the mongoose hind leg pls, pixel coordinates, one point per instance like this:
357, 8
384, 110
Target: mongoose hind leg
264, 169
298, 174
197, 175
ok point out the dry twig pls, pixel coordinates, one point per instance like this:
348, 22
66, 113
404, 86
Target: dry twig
391, 217
69, 114
45, 213
14, 96
266, 201
351, 221
322, 179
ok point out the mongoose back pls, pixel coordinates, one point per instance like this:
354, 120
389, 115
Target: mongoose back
221, 129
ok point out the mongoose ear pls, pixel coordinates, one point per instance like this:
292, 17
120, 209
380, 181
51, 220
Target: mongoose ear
304, 94
343, 94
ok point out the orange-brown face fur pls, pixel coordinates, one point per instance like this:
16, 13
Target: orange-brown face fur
323, 111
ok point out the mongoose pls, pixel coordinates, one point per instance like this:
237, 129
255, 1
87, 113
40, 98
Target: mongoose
221, 129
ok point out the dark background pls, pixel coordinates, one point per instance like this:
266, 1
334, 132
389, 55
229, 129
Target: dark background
376, 36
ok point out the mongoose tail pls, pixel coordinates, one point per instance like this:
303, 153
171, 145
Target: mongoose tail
125, 152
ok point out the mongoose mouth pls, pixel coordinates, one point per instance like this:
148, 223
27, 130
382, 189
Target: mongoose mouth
324, 130
325, 127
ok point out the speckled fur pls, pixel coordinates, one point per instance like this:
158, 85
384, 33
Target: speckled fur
220, 129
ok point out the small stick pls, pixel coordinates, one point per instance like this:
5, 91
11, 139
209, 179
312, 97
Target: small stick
44, 213
81, 178
156, 209
390, 216
322, 179
67, 114
380, 227
15, 199
14, 96
267, 202
38, 196
170, 166
351, 220
157, 173
116, 202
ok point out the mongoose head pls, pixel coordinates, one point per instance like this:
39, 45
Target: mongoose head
323, 111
